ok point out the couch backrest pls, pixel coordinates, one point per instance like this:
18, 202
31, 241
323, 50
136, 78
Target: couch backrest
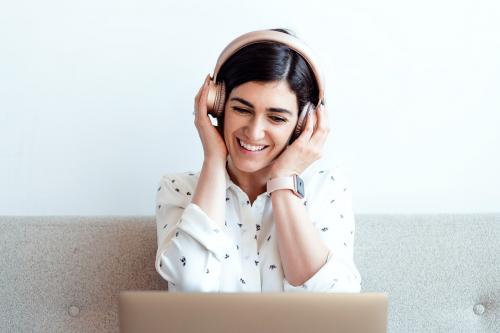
64, 274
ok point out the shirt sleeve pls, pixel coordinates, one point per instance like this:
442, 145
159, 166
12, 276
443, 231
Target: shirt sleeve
190, 244
334, 218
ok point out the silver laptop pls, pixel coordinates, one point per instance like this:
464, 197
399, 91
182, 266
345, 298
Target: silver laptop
178, 312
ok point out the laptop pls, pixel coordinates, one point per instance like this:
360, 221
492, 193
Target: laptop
182, 312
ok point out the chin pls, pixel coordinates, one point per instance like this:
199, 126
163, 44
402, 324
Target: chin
249, 166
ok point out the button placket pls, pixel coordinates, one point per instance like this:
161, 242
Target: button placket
248, 236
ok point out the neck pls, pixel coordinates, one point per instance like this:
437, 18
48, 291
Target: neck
253, 183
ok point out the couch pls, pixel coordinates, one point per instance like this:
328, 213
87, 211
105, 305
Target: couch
64, 273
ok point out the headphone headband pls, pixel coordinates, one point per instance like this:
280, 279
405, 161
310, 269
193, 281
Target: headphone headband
259, 36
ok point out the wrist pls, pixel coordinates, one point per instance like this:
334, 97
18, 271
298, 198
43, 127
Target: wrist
280, 173
214, 162
286, 181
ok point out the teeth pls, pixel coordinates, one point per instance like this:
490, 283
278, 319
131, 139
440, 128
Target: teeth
250, 147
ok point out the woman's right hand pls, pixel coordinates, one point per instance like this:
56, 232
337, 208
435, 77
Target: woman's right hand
213, 143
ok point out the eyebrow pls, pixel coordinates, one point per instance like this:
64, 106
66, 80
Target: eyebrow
247, 103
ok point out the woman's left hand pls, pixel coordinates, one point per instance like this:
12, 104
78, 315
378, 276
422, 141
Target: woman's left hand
306, 149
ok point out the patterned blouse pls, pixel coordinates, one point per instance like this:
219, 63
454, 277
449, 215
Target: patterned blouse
194, 255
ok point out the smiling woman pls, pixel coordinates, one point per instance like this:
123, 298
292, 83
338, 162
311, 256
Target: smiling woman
259, 216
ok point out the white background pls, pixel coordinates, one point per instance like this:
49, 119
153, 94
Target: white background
96, 98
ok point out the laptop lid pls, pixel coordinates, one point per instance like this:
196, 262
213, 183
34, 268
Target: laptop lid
176, 312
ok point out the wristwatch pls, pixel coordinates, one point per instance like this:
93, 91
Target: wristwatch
294, 183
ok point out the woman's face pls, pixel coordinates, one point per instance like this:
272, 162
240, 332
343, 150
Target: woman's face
259, 114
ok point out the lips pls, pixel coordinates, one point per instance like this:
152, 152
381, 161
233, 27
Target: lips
250, 151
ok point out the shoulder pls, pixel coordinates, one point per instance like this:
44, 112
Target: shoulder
319, 177
179, 180
323, 181
177, 187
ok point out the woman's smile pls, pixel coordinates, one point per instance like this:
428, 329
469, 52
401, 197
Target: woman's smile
249, 149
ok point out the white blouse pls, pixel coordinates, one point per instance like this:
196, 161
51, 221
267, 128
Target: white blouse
194, 255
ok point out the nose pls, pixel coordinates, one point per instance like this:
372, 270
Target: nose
255, 130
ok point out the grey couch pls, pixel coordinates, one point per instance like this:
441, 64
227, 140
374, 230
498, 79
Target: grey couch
64, 274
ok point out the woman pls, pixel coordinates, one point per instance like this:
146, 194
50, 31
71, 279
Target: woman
233, 227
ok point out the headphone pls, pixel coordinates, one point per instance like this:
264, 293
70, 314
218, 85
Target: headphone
216, 97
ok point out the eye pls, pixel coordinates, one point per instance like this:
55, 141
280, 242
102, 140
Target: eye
240, 110
278, 119
274, 118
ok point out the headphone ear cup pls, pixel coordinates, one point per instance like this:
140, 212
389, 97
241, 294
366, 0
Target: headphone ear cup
221, 100
216, 98
309, 107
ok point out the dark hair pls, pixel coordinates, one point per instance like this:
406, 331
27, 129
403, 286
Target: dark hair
271, 61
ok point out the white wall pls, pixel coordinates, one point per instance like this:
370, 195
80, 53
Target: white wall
96, 98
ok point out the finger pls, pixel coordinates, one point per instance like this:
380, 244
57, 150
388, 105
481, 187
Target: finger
306, 134
324, 114
196, 101
200, 94
201, 109
203, 99
322, 128
200, 91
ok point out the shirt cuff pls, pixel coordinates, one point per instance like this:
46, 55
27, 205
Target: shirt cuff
197, 224
336, 275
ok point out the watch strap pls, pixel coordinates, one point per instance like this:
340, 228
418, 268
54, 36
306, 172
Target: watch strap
281, 183
293, 183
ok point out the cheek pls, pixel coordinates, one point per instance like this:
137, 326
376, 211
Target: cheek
227, 126
226, 122
230, 126
280, 137
232, 123
287, 133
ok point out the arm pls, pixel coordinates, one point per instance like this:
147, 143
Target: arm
210, 191
191, 246
301, 249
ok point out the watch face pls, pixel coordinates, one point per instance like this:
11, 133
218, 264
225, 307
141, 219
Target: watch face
299, 185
